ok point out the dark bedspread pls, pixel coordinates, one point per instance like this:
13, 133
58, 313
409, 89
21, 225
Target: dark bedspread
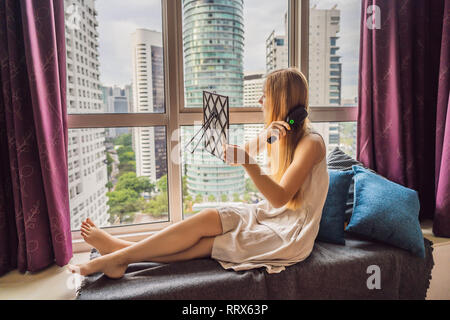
330, 272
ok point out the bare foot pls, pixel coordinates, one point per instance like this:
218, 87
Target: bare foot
100, 239
107, 264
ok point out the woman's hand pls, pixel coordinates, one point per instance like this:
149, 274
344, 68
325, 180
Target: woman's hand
235, 155
277, 129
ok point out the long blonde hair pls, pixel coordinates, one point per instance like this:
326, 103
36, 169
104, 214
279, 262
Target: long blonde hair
285, 89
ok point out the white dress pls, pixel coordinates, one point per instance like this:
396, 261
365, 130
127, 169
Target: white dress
258, 235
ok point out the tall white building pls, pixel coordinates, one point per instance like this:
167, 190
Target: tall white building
324, 59
149, 143
86, 152
325, 67
115, 100
276, 52
253, 88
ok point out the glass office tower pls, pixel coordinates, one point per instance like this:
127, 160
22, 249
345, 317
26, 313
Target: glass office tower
213, 39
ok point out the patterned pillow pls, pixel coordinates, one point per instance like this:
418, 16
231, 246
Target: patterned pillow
339, 160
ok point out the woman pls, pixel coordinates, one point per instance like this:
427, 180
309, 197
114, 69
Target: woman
274, 233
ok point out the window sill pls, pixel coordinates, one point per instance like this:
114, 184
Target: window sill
80, 246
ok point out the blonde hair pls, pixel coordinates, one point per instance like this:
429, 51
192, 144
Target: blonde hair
285, 89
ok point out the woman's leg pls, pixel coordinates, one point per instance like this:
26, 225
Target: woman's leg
169, 241
106, 243
201, 249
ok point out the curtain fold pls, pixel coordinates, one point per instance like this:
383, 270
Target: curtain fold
34, 202
403, 128
441, 225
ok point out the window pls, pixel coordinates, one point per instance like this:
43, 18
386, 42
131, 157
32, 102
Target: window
121, 180
333, 41
133, 97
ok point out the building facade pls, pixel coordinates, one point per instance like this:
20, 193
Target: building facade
253, 88
276, 52
86, 152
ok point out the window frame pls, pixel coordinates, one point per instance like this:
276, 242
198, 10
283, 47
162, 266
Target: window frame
176, 115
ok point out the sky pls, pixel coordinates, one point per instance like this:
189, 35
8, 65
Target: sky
118, 19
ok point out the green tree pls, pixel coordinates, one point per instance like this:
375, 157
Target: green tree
184, 185
122, 202
161, 184
211, 198
224, 197
124, 149
198, 198
250, 186
236, 197
127, 157
123, 140
158, 206
109, 162
125, 167
139, 184
109, 185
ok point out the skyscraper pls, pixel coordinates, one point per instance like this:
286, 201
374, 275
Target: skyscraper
115, 101
149, 143
276, 52
213, 39
324, 59
86, 154
253, 90
325, 67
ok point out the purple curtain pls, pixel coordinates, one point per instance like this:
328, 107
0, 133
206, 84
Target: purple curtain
403, 119
34, 202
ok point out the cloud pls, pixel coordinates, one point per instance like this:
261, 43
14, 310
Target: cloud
260, 19
118, 19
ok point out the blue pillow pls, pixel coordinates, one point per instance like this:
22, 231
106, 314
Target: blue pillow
386, 211
333, 214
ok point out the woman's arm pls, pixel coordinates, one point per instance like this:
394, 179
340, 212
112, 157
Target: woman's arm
309, 151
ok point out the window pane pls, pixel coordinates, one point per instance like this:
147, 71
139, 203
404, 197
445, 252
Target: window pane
334, 52
229, 45
338, 134
114, 56
118, 176
207, 181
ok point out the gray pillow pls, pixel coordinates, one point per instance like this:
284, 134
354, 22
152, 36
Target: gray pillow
339, 160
